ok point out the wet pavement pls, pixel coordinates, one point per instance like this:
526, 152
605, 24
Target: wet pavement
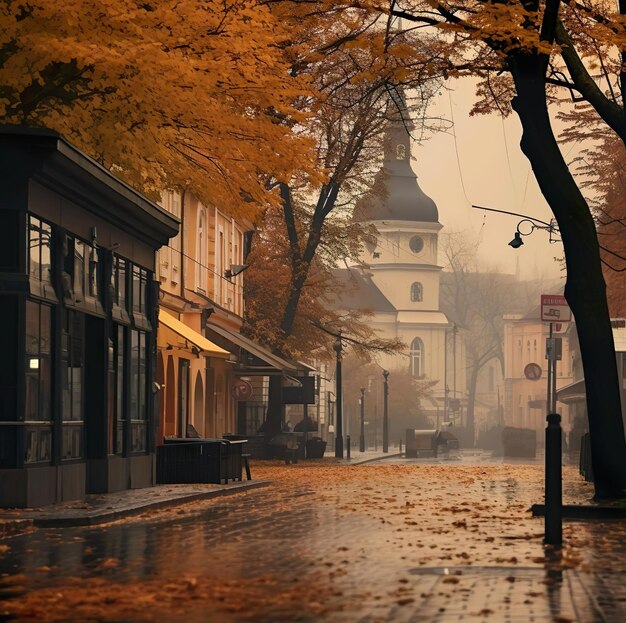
384, 541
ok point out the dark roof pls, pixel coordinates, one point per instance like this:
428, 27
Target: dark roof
48, 158
396, 195
359, 292
400, 198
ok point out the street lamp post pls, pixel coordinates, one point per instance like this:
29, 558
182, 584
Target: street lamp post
337, 346
385, 412
362, 437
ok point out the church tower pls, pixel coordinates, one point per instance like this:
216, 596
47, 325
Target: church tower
402, 262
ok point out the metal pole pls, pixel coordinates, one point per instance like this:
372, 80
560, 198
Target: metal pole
362, 436
553, 503
339, 401
348, 447
549, 373
305, 417
386, 412
553, 520
445, 375
454, 330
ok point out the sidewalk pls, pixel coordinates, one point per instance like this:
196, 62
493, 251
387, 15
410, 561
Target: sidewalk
102, 508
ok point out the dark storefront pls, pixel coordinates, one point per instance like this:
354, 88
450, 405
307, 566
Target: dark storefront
79, 313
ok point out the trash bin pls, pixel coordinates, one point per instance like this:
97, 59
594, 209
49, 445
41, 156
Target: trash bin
315, 448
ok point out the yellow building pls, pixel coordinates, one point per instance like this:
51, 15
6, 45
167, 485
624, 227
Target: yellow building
196, 283
525, 400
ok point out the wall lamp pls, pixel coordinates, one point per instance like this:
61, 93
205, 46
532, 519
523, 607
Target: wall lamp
529, 223
234, 270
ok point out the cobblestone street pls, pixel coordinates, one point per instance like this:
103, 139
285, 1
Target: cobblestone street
375, 542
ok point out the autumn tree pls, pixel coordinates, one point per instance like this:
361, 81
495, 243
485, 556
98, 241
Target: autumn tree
346, 122
523, 50
602, 172
180, 94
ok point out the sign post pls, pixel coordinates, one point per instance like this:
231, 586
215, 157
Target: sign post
554, 309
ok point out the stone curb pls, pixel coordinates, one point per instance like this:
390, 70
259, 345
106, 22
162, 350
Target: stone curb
106, 515
113, 514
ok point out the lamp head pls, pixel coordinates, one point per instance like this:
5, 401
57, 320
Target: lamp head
517, 241
234, 270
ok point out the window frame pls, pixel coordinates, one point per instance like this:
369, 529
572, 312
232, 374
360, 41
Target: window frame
417, 292
417, 354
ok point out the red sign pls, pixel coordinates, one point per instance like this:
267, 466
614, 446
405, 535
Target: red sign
554, 308
532, 371
242, 390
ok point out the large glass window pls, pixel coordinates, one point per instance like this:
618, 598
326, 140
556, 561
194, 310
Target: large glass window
138, 391
81, 272
116, 410
120, 410
140, 288
417, 358
72, 385
38, 382
118, 281
40, 256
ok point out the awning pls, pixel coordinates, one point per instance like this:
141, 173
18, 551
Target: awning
266, 357
574, 392
190, 336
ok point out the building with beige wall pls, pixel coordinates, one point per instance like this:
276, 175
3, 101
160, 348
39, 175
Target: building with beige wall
525, 400
196, 288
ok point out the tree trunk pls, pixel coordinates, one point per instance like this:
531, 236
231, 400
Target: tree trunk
585, 288
274, 417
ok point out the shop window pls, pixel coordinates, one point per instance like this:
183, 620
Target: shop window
138, 398
120, 406
81, 274
38, 377
38, 382
40, 256
139, 290
116, 415
118, 287
72, 385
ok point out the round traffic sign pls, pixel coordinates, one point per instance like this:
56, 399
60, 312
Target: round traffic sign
242, 390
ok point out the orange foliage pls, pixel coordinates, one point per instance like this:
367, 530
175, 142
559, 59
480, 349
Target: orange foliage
175, 93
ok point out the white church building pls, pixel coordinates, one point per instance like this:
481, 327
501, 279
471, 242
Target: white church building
398, 278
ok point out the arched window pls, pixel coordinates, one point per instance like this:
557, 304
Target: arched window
417, 292
417, 358
400, 152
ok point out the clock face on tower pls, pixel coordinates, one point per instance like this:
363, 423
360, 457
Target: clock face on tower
416, 244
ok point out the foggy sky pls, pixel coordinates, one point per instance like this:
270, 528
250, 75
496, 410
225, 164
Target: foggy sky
490, 179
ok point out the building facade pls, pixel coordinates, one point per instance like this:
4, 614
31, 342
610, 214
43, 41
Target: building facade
397, 279
78, 301
525, 395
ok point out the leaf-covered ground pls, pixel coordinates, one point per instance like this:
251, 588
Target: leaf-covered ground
323, 542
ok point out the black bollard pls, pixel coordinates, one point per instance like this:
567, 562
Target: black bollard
400, 446
554, 485
348, 447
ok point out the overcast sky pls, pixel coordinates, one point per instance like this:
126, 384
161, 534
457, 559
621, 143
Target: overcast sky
490, 171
